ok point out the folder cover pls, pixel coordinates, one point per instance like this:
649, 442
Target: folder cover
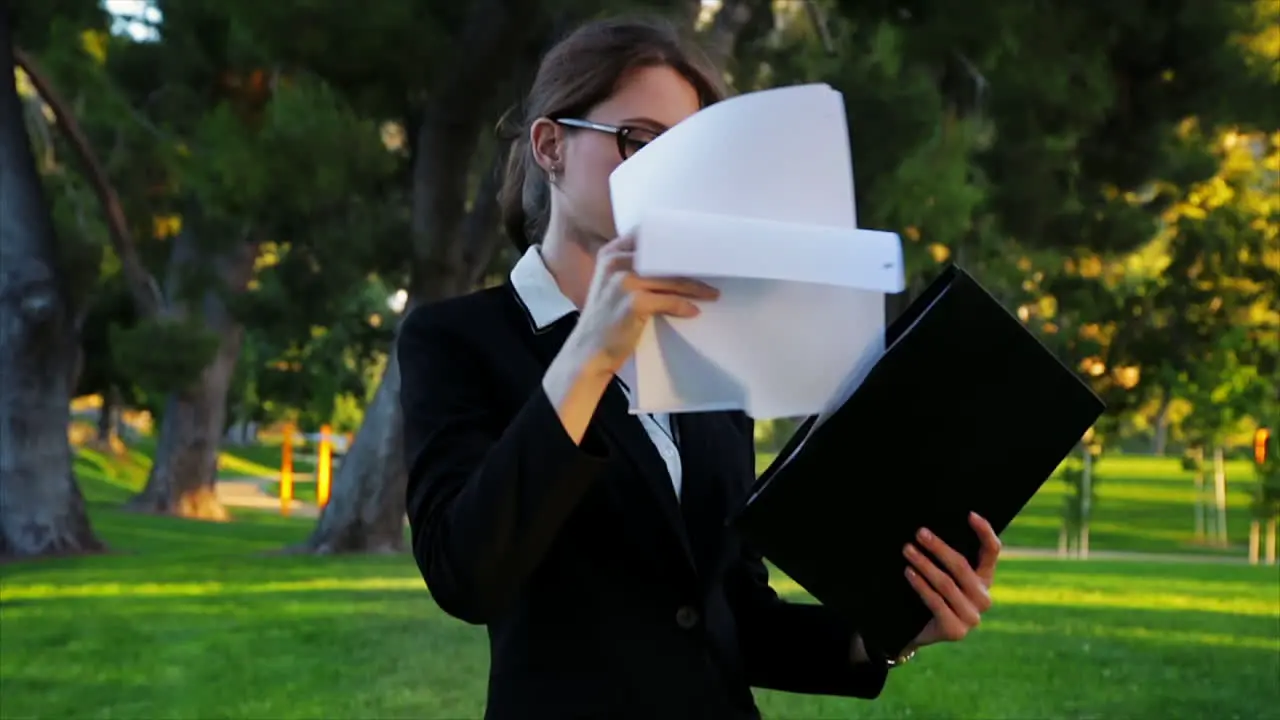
965, 411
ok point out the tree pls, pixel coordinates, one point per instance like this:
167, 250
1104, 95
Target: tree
442, 75
220, 171
1218, 344
42, 511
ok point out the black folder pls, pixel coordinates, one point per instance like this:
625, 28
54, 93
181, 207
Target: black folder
965, 411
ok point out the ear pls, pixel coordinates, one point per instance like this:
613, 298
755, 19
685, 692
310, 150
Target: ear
546, 139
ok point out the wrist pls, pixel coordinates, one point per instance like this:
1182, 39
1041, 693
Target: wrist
586, 362
574, 383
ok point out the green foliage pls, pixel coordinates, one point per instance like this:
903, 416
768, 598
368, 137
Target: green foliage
313, 373
162, 355
281, 169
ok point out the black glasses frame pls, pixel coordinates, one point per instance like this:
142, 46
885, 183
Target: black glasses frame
622, 133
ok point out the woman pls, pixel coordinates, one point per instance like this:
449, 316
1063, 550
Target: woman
591, 542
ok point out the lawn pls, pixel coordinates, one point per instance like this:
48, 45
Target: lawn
1144, 504
196, 620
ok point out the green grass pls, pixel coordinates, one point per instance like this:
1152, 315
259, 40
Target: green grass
250, 461
195, 620
303, 490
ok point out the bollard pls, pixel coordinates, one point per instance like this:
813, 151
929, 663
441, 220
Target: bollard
286, 471
324, 466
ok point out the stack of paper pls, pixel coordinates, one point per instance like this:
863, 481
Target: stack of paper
754, 195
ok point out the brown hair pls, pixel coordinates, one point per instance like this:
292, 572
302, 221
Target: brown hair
578, 73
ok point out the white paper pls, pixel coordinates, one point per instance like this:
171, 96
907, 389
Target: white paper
754, 195
678, 242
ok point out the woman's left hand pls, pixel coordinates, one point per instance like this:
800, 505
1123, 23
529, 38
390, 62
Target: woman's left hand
957, 594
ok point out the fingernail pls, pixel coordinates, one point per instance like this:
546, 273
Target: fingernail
925, 535
909, 550
911, 574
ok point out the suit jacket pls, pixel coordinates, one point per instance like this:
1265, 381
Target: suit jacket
603, 593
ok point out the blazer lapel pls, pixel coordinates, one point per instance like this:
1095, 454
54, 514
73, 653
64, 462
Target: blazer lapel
628, 432
614, 418
704, 499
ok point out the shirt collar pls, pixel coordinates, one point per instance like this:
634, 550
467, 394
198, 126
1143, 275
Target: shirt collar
537, 290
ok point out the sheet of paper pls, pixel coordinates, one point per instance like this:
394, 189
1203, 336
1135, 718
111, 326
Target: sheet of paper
788, 326
780, 154
755, 196
705, 245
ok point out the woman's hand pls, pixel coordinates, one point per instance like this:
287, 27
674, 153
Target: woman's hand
619, 303
959, 595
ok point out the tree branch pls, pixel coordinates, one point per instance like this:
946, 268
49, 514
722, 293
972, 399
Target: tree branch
142, 286
818, 18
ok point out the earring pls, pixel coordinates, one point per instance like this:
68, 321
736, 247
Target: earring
555, 173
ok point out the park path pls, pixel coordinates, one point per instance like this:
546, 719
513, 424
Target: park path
251, 493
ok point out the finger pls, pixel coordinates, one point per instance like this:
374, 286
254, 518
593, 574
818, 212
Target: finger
950, 626
991, 547
956, 564
645, 304
622, 243
677, 286
621, 261
959, 601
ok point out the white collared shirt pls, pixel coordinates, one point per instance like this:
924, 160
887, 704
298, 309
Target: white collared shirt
546, 304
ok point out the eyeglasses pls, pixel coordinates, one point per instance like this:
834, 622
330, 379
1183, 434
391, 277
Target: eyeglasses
630, 139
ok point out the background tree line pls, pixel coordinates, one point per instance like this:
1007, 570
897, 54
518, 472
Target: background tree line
207, 217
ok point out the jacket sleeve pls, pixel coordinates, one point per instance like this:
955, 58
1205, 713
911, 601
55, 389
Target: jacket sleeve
485, 498
794, 647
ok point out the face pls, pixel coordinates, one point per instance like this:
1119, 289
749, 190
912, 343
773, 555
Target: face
652, 98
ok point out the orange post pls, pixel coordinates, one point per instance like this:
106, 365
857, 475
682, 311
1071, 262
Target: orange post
286, 470
1260, 439
324, 466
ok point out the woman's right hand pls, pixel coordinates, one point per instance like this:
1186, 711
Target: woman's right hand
620, 303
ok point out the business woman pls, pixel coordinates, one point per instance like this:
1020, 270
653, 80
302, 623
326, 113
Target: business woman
590, 542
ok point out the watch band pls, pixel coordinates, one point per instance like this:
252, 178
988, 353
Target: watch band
900, 660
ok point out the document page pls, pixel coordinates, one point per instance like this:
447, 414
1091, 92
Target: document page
754, 195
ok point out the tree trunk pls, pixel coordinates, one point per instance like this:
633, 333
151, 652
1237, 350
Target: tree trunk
41, 509
143, 288
1255, 540
183, 474
109, 421
1161, 439
366, 509
1199, 495
1086, 504
1220, 494
1271, 541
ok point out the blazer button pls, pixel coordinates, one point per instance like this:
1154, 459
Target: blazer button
686, 617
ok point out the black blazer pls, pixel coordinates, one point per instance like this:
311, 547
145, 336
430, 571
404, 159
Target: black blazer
604, 596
